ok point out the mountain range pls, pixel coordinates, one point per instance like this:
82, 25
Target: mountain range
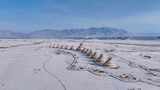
103, 32
90, 33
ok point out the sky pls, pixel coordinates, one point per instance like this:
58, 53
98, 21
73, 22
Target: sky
138, 16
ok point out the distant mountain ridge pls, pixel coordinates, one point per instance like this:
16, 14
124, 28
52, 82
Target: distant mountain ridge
80, 33
93, 32
6, 34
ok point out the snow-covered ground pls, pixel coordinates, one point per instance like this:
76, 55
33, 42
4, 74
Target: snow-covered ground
29, 64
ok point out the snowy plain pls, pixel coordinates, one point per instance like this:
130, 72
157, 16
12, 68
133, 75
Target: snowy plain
29, 64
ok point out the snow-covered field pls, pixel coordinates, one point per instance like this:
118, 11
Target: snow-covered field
29, 64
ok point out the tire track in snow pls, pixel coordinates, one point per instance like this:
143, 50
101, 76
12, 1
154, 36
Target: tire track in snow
52, 74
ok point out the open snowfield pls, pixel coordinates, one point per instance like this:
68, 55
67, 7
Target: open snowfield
29, 64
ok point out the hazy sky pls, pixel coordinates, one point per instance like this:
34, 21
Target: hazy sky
30, 15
